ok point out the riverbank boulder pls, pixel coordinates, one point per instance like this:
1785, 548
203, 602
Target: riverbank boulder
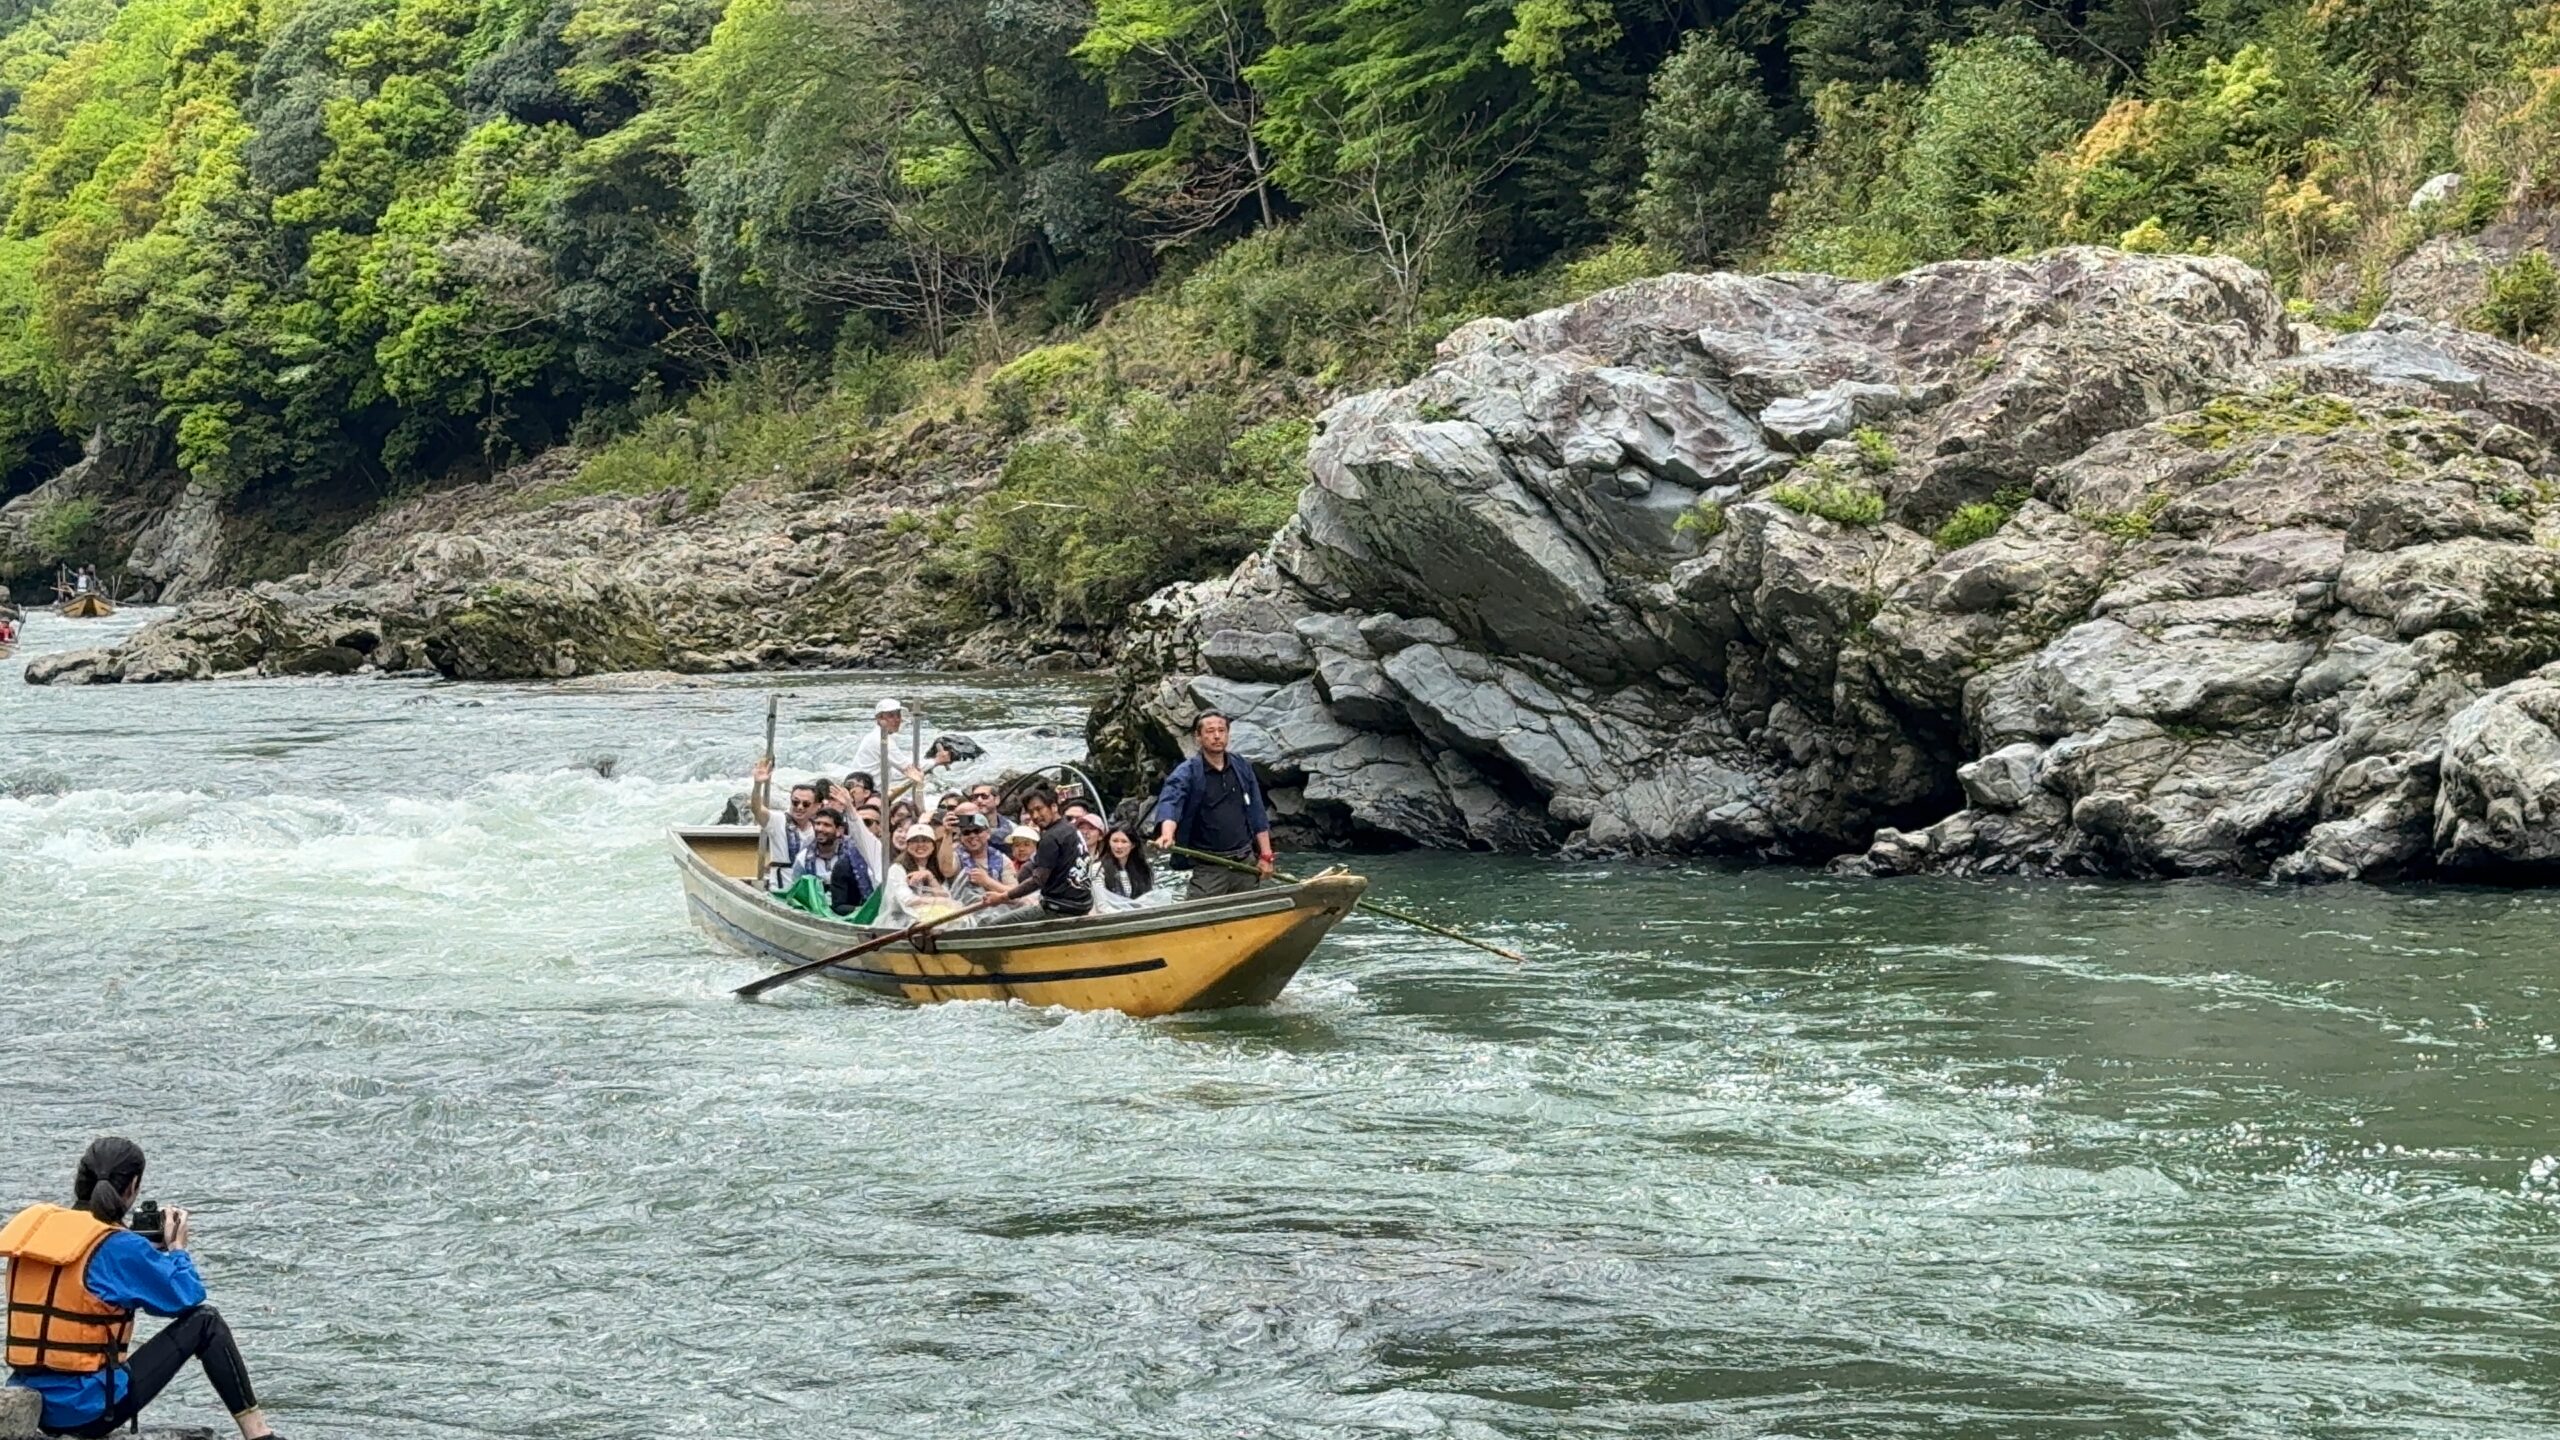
2090, 563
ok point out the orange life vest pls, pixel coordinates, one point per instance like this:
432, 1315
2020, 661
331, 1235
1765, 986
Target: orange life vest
55, 1323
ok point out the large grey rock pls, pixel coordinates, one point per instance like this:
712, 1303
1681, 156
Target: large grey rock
181, 549
2251, 612
2498, 806
2435, 190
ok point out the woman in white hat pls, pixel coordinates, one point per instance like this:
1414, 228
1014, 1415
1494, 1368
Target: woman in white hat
914, 892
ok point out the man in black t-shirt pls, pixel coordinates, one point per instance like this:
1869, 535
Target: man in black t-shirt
1052, 870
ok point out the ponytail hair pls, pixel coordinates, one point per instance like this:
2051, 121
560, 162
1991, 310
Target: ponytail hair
108, 1168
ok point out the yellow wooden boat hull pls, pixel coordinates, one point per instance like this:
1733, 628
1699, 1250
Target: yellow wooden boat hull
86, 607
1211, 954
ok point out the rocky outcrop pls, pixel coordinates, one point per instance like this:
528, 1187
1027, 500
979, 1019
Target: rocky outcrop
2446, 277
129, 496
501, 581
1657, 572
180, 550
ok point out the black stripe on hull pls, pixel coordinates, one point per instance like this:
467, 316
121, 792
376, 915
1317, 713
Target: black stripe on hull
1025, 977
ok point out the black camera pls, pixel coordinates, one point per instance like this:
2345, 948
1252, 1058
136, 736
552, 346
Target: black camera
147, 1222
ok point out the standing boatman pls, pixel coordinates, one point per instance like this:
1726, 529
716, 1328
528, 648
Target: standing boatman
1213, 803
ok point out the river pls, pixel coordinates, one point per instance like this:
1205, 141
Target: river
392, 980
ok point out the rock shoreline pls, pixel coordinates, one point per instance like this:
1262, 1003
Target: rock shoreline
493, 582
2260, 601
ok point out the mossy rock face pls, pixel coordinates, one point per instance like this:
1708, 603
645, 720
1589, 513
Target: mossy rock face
521, 632
2230, 419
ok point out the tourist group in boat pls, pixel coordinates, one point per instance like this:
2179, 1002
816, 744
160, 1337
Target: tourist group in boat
841, 847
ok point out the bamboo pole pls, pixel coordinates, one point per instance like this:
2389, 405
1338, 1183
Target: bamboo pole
1372, 906
762, 800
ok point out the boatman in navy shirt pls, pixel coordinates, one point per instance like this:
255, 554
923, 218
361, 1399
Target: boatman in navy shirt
76, 1277
1213, 803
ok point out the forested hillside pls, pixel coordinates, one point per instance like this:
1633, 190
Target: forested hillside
328, 251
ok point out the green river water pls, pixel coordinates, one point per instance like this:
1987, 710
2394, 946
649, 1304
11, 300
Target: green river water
398, 992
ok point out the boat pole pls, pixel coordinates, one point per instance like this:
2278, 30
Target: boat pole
1372, 906
888, 841
762, 800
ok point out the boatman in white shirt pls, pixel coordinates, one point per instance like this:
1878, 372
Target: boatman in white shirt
890, 716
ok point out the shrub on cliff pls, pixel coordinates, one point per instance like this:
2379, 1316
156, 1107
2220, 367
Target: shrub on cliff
1284, 298
1994, 109
2523, 298
1831, 495
1086, 523
61, 531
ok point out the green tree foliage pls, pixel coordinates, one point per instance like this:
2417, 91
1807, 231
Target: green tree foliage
1711, 151
357, 245
1994, 108
1186, 63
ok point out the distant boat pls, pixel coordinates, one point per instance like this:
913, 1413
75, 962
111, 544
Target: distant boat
86, 607
1208, 954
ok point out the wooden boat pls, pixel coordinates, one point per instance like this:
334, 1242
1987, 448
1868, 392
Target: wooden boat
86, 607
1198, 955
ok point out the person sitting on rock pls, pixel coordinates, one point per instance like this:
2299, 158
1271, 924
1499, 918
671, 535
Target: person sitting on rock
835, 861
76, 1278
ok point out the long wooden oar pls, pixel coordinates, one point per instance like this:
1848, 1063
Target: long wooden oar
800, 972
1372, 906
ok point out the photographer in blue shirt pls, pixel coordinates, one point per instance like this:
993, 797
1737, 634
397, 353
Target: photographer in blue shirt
76, 1278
